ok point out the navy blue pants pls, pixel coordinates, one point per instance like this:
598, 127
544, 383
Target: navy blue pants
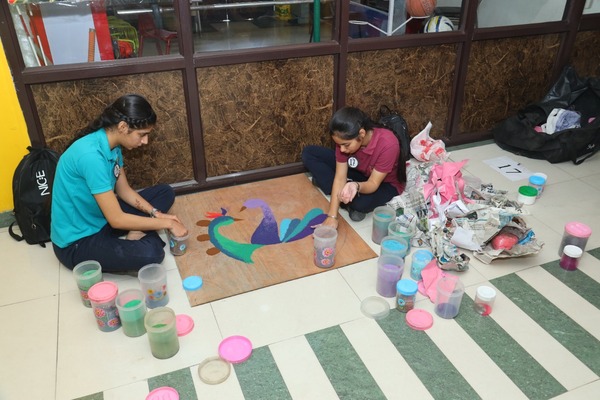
114, 253
320, 162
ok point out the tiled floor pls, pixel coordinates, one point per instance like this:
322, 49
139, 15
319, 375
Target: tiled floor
311, 340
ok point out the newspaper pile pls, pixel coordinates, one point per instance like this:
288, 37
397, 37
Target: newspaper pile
451, 213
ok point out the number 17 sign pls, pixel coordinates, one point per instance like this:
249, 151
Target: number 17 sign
508, 167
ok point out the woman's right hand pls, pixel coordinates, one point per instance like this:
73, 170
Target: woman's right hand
178, 230
333, 222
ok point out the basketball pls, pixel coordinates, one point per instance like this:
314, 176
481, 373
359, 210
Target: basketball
420, 8
438, 23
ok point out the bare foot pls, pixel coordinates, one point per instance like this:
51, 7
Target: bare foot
135, 235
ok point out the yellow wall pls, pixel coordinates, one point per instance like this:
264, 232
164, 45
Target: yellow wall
13, 133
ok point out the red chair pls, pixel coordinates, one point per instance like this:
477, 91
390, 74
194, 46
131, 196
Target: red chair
147, 29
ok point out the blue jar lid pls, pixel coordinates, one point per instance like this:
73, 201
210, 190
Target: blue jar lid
536, 180
192, 283
407, 287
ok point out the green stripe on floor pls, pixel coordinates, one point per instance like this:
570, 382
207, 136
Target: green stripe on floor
558, 324
344, 368
577, 281
260, 378
507, 354
428, 362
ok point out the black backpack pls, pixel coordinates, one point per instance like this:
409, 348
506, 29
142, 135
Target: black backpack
32, 197
394, 121
517, 133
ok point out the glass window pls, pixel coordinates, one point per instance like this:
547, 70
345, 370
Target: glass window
518, 12
54, 33
591, 7
377, 18
229, 25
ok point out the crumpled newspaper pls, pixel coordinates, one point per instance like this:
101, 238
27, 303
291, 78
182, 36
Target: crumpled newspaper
527, 243
469, 223
447, 254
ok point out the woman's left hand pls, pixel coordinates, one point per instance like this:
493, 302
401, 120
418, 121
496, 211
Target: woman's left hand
162, 215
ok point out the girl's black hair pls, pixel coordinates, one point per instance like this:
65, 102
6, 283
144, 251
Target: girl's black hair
347, 122
133, 109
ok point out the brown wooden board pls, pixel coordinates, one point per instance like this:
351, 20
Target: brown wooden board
254, 266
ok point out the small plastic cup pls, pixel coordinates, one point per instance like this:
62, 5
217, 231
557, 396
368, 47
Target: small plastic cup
527, 195
102, 296
570, 257
389, 272
449, 290
382, 217
537, 181
484, 300
153, 280
161, 325
178, 244
397, 229
420, 259
406, 294
394, 245
324, 240
132, 310
86, 274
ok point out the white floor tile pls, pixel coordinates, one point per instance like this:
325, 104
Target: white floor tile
28, 350
31, 270
287, 310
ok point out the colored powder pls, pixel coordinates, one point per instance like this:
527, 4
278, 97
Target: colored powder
90, 272
384, 216
446, 310
132, 303
393, 245
159, 325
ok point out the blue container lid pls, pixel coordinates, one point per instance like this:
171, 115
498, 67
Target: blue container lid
537, 180
192, 283
407, 287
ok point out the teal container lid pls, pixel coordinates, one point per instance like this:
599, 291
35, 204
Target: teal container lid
407, 287
192, 283
537, 180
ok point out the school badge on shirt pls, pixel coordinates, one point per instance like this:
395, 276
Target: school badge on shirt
352, 162
117, 169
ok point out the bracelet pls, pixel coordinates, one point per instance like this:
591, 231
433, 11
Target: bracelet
332, 216
357, 189
153, 212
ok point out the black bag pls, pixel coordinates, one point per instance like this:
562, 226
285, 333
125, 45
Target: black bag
394, 121
517, 134
32, 186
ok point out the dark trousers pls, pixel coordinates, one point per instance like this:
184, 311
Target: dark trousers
320, 162
114, 253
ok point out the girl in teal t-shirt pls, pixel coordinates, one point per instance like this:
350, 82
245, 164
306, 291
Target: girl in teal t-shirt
96, 215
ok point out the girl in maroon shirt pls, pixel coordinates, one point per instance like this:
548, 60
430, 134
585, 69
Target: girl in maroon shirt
365, 170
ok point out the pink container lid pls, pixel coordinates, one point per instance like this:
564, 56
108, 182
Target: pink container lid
235, 349
578, 229
419, 319
102, 292
163, 393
